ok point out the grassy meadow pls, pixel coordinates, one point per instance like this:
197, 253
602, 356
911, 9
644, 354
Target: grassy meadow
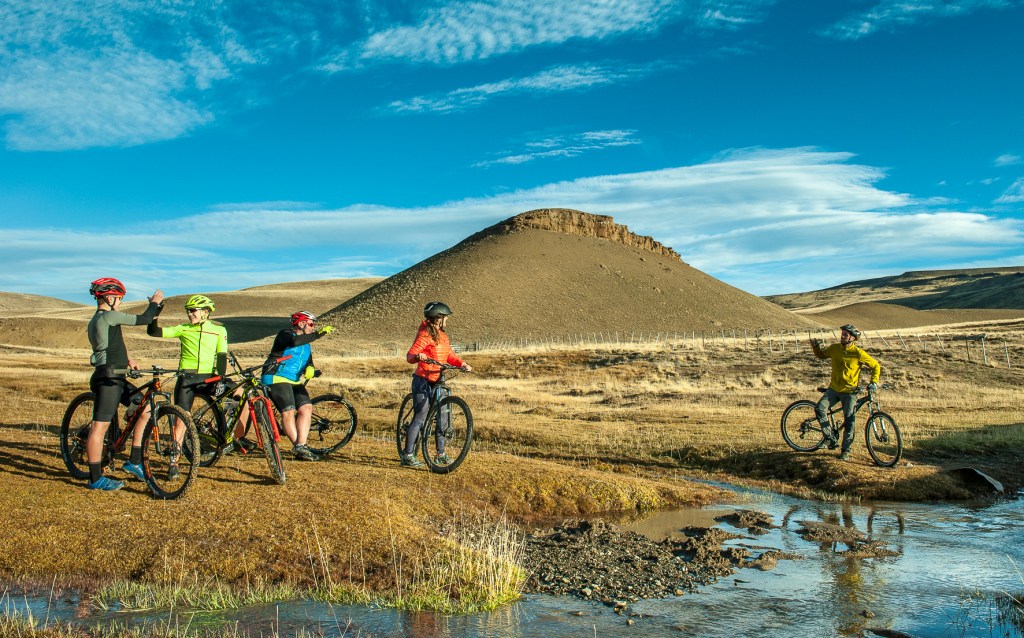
568, 432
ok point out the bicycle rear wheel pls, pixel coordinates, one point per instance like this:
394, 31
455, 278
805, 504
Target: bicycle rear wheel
332, 426
208, 418
800, 427
74, 432
405, 414
270, 447
447, 435
885, 444
170, 466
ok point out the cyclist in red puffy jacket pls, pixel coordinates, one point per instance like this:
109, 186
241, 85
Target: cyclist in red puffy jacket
431, 343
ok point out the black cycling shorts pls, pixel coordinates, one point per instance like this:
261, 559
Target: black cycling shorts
109, 391
287, 396
188, 386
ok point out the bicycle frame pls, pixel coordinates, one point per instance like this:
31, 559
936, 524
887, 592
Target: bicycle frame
150, 391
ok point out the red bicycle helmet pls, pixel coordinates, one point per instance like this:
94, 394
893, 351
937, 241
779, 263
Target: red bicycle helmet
301, 316
107, 286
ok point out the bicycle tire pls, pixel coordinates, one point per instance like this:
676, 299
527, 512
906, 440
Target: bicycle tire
405, 414
457, 435
332, 424
74, 433
883, 438
270, 446
160, 452
210, 426
800, 427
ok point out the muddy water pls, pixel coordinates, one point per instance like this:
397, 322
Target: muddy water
948, 558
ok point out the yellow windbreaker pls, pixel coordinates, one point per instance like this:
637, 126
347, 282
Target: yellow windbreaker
846, 365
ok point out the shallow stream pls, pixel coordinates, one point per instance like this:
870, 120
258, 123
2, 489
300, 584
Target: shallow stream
952, 560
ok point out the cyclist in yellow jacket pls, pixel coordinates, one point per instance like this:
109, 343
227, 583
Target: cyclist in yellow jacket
847, 361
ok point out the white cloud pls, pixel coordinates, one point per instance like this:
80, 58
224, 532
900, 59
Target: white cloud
889, 15
566, 146
1008, 159
767, 221
555, 79
78, 73
1014, 194
460, 32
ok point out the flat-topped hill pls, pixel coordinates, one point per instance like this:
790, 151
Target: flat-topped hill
555, 272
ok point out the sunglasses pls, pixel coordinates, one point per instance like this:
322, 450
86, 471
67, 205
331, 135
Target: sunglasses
193, 311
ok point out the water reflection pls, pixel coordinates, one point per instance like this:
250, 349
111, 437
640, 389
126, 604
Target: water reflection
943, 553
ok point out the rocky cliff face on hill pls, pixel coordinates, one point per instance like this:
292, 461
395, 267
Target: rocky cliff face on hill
573, 222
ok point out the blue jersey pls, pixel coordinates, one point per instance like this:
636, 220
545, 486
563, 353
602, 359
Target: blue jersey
289, 344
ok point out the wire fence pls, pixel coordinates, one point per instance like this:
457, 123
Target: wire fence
1004, 349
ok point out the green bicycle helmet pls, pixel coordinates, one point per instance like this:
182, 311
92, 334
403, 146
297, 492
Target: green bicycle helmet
851, 329
199, 301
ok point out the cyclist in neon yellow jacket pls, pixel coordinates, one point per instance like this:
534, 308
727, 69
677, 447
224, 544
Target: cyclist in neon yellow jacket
847, 362
204, 353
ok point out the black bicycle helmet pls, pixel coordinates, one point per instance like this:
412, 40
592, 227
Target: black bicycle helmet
851, 329
436, 309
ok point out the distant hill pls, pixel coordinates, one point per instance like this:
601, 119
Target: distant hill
16, 303
977, 288
872, 315
555, 272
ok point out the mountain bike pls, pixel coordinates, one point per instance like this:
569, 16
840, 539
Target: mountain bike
332, 425
804, 433
216, 417
160, 448
447, 431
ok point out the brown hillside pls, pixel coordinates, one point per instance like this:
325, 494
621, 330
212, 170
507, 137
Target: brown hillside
250, 314
18, 304
889, 316
922, 289
554, 272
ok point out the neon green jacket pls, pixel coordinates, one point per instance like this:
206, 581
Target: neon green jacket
204, 346
846, 365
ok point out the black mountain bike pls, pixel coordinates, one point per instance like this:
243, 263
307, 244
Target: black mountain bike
804, 433
447, 431
160, 449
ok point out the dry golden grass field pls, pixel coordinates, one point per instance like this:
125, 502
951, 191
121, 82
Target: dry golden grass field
595, 426
577, 431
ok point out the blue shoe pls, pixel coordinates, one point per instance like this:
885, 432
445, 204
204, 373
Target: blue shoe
106, 484
135, 470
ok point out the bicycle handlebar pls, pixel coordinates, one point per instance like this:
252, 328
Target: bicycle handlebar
444, 366
242, 371
155, 371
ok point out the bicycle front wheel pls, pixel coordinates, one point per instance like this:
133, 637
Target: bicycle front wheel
208, 418
405, 414
170, 465
800, 427
270, 447
74, 432
885, 444
332, 425
447, 435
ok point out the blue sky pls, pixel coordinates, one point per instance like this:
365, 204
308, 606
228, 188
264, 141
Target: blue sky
779, 146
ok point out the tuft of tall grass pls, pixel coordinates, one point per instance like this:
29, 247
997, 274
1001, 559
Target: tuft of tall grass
476, 566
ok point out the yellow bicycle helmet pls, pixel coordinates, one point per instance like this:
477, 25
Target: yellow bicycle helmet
199, 301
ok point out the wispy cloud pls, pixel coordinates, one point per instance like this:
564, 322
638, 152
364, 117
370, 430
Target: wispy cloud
767, 221
891, 15
462, 32
78, 73
1014, 194
564, 146
1008, 159
553, 80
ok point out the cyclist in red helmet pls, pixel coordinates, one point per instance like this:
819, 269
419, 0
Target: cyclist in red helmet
287, 379
109, 354
431, 343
